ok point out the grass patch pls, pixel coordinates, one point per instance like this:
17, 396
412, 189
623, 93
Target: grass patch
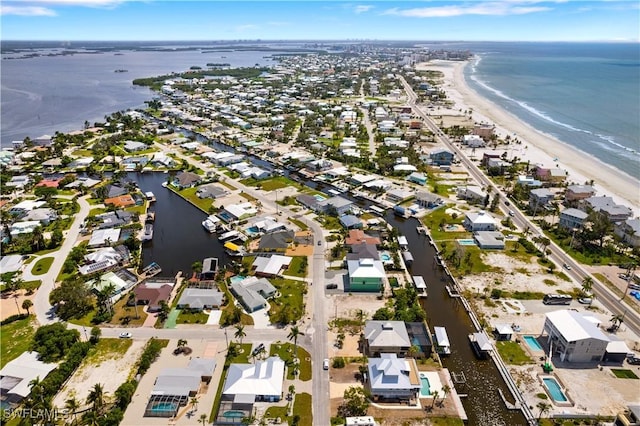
107, 349
194, 317
275, 412
136, 209
330, 222
299, 224
298, 267
31, 286
621, 373
445, 421
247, 196
15, 338
549, 282
126, 315
512, 353
42, 266
464, 260
277, 182
190, 195
228, 185
286, 352
302, 408
289, 307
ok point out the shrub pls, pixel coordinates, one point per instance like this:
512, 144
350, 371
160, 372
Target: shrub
338, 362
496, 293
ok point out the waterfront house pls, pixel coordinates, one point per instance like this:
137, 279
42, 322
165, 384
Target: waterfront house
479, 221
540, 198
262, 381
473, 141
120, 201
366, 275
337, 206
350, 221
197, 299
104, 237
428, 200
572, 218
363, 251
399, 195
270, 266
502, 332
441, 157
629, 231
233, 212
211, 190
579, 192
528, 181
357, 236
485, 131
393, 378
489, 240
276, 241
554, 174
153, 291
186, 180
160, 159
253, 292
573, 337
488, 155
100, 260
385, 337
606, 205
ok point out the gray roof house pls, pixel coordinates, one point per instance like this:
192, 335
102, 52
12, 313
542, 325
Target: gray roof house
211, 190
540, 197
253, 292
572, 218
393, 378
386, 337
629, 231
335, 205
427, 199
276, 241
200, 298
186, 179
615, 212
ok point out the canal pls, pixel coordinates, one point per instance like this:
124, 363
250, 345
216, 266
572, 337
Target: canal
483, 404
179, 239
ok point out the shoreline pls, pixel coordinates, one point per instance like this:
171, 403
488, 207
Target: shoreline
537, 147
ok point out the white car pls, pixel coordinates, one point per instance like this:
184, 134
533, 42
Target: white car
325, 364
125, 335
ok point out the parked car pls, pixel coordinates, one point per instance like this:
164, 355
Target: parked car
125, 335
332, 286
257, 349
511, 213
634, 360
585, 300
325, 364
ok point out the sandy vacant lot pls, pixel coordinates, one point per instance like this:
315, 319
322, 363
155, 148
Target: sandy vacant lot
8, 304
110, 371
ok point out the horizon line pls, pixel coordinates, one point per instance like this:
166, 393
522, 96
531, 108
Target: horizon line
261, 40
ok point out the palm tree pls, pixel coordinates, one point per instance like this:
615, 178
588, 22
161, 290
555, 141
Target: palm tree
240, 334
194, 403
544, 408
72, 405
37, 238
293, 335
26, 304
96, 398
587, 285
182, 343
203, 419
435, 395
361, 316
446, 390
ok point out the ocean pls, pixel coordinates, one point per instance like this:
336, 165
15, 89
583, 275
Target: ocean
584, 94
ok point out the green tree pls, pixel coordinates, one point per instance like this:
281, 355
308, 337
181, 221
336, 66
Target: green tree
294, 333
240, 333
164, 311
53, 341
354, 403
96, 398
544, 408
203, 419
72, 405
26, 304
73, 299
125, 393
587, 286
95, 335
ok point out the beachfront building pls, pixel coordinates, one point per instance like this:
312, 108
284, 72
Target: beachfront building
473, 141
16, 376
579, 192
262, 381
485, 131
386, 337
540, 198
615, 212
629, 231
574, 337
366, 275
393, 378
479, 221
553, 174
572, 218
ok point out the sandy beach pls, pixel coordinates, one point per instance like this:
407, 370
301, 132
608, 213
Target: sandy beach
537, 147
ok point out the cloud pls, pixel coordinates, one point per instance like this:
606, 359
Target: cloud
361, 8
246, 27
486, 8
26, 10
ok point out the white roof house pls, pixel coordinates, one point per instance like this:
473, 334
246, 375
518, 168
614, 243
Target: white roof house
262, 379
26, 205
366, 268
10, 263
16, 375
200, 298
103, 237
391, 377
25, 227
271, 265
479, 221
574, 338
386, 337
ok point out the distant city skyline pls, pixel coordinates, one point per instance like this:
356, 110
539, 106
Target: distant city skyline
149, 20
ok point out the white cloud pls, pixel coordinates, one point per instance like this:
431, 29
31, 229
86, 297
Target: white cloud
26, 10
486, 8
361, 8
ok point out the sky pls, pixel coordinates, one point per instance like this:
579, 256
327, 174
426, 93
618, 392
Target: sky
475, 20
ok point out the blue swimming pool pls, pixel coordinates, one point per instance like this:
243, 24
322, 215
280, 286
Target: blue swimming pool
467, 242
165, 406
385, 257
425, 389
532, 342
236, 279
236, 414
554, 389
319, 197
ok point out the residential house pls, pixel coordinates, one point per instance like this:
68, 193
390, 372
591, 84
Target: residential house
120, 201
473, 194
554, 174
335, 206
366, 275
488, 155
540, 198
441, 157
386, 337
25, 227
502, 332
17, 375
428, 200
350, 221
270, 266
104, 237
629, 231
11, 263
357, 236
579, 192
473, 141
399, 195
572, 218
489, 240
261, 381
211, 190
19, 181
160, 159
479, 221
43, 215
100, 260
186, 180
419, 178
115, 191
485, 131
153, 291
119, 282
234, 212
606, 205
134, 146
253, 292
363, 251
574, 338
200, 298
393, 378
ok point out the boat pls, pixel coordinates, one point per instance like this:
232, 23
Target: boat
443, 347
229, 235
233, 250
148, 232
481, 344
164, 184
151, 270
150, 196
420, 285
211, 223
121, 70
151, 216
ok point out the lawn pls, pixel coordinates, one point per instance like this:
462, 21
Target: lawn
298, 267
228, 185
42, 266
299, 224
247, 196
107, 349
195, 317
291, 300
512, 353
286, 352
623, 373
302, 408
438, 217
126, 315
190, 195
15, 338
271, 184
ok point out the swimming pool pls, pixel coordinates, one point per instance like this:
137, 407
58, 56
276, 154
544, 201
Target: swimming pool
554, 389
425, 389
385, 257
165, 406
236, 279
467, 242
532, 342
319, 197
236, 414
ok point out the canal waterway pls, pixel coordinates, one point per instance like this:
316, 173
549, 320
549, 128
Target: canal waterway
483, 403
179, 239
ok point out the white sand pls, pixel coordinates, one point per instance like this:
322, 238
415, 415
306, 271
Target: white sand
537, 147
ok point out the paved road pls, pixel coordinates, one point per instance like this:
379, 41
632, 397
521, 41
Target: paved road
41, 305
558, 256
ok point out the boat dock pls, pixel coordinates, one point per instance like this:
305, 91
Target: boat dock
420, 285
151, 270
